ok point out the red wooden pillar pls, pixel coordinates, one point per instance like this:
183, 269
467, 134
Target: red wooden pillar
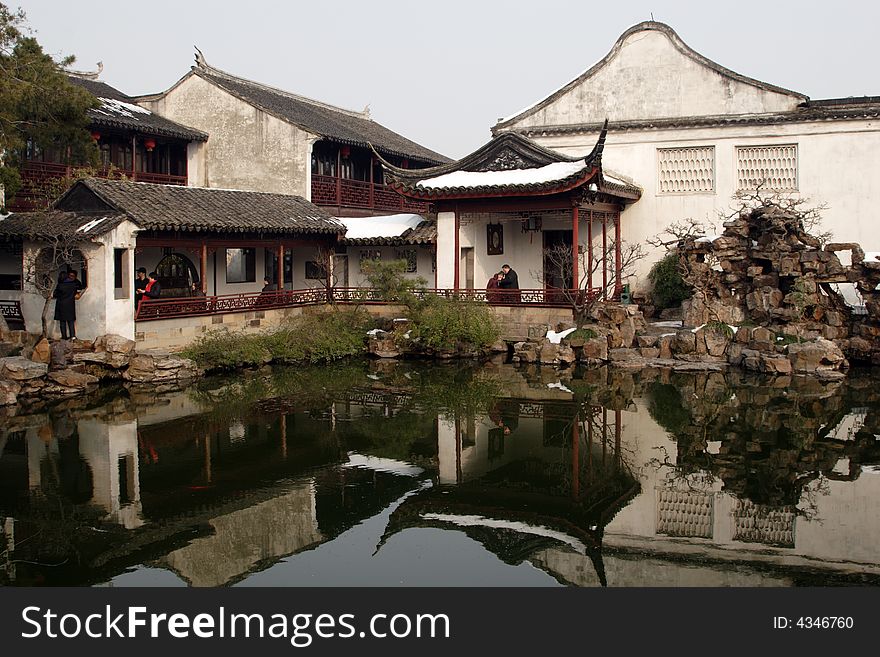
575, 273
605, 255
618, 284
576, 458
372, 185
617, 427
455, 279
590, 447
590, 252
279, 272
339, 177
203, 268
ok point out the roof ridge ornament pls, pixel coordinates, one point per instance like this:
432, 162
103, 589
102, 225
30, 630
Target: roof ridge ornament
201, 62
88, 75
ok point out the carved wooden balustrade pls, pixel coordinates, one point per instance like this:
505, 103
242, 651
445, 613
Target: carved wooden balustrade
347, 193
154, 309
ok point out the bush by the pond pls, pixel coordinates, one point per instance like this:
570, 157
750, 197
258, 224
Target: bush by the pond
445, 324
669, 290
312, 338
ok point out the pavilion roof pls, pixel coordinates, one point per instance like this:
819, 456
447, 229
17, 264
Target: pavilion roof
508, 165
391, 230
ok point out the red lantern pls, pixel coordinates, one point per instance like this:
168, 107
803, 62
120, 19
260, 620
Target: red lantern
96, 136
149, 144
345, 151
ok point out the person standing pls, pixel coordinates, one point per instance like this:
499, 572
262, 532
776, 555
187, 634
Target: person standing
67, 292
152, 290
509, 284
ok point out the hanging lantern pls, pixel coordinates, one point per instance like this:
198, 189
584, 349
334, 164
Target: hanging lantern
345, 151
96, 136
149, 144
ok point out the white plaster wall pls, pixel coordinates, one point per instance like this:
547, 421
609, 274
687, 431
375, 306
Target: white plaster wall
837, 167
118, 313
357, 278
248, 148
196, 164
446, 255
650, 78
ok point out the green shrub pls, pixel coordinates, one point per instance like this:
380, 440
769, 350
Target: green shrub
312, 338
720, 328
582, 334
391, 283
445, 324
669, 290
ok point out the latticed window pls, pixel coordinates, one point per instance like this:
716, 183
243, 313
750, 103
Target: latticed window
686, 170
684, 513
771, 167
369, 254
411, 258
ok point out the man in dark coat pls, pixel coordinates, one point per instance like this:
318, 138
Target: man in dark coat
66, 294
509, 284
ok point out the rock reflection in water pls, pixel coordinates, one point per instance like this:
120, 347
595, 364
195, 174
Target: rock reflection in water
605, 478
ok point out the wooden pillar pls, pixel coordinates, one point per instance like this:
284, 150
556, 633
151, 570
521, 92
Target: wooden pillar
339, 177
576, 457
590, 447
279, 273
575, 256
203, 267
455, 283
618, 284
604, 435
605, 255
134, 176
372, 184
590, 251
617, 426
283, 429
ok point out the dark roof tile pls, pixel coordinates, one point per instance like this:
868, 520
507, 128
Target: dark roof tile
199, 209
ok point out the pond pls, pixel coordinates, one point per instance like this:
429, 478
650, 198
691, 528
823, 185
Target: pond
405, 474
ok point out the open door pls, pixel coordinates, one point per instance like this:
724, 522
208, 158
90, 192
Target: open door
467, 268
557, 274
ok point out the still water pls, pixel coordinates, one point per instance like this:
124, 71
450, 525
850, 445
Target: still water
404, 474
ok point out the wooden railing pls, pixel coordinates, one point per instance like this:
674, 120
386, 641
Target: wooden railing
346, 193
37, 177
154, 309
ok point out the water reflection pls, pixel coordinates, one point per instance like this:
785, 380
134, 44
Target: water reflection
397, 473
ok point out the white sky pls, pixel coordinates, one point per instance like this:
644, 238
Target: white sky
442, 73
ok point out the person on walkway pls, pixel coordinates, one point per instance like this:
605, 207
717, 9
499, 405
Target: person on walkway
152, 290
140, 282
67, 292
509, 284
492, 287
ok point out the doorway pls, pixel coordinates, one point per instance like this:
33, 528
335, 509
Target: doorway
467, 268
557, 260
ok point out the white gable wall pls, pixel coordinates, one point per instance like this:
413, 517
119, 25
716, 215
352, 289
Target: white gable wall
648, 77
247, 148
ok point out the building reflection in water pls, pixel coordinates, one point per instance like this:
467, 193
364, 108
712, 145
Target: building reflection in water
630, 480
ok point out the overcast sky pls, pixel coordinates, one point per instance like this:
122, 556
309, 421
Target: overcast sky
442, 73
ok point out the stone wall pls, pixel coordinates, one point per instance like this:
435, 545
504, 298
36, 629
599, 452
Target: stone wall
177, 334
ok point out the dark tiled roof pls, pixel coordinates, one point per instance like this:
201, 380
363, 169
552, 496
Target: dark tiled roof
334, 123
199, 209
114, 115
38, 225
424, 233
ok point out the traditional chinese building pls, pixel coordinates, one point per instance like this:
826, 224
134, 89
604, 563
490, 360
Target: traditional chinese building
511, 201
222, 243
271, 140
693, 133
132, 141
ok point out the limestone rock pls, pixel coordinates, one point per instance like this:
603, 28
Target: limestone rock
685, 342
9, 392
665, 343
774, 364
17, 368
42, 352
595, 349
817, 356
160, 367
114, 344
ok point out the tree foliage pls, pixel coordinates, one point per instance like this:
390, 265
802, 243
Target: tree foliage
38, 104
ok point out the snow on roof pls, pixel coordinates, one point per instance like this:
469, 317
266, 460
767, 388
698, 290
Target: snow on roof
535, 176
85, 228
120, 107
392, 225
